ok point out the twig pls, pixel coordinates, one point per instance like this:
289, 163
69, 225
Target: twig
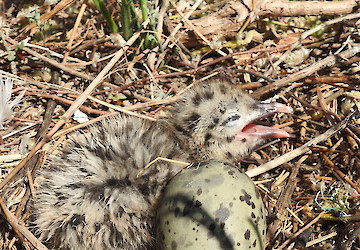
328, 61
73, 32
20, 229
81, 125
162, 13
160, 159
55, 54
66, 101
121, 109
320, 239
52, 62
300, 231
299, 151
308, 33
151, 103
91, 43
341, 174
177, 28
196, 30
77, 103
309, 8
44, 17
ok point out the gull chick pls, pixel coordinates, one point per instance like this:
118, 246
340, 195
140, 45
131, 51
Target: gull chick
88, 196
217, 120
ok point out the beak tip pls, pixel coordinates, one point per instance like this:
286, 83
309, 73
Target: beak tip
290, 109
274, 107
284, 108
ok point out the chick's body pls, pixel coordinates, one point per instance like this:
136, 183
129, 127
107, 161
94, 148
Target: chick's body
88, 197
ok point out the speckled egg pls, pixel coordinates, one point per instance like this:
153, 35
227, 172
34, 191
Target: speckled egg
211, 205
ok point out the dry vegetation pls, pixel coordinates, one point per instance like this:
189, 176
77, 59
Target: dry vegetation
63, 58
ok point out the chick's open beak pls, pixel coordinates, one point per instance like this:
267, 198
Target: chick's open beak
264, 110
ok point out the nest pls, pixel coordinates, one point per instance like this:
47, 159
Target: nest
67, 70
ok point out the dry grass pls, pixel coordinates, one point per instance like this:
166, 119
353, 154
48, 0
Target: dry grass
310, 182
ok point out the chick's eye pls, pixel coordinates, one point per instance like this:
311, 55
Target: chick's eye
233, 118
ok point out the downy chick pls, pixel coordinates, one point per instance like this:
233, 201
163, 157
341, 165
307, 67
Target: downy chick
216, 120
88, 197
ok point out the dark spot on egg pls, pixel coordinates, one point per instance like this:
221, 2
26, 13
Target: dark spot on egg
198, 203
199, 191
253, 205
222, 213
187, 208
246, 197
173, 245
247, 234
257, 193
231, 172
254, 243
257, 221
177, 211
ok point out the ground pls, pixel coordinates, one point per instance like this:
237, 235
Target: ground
71, 69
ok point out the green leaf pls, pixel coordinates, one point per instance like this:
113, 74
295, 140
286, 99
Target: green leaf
102, 8
11, 56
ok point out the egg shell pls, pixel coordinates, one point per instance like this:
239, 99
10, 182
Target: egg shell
211, 205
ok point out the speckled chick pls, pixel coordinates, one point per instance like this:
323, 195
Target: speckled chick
88, 196
216, 120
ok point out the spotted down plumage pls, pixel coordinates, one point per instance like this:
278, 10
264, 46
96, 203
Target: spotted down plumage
88, 196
